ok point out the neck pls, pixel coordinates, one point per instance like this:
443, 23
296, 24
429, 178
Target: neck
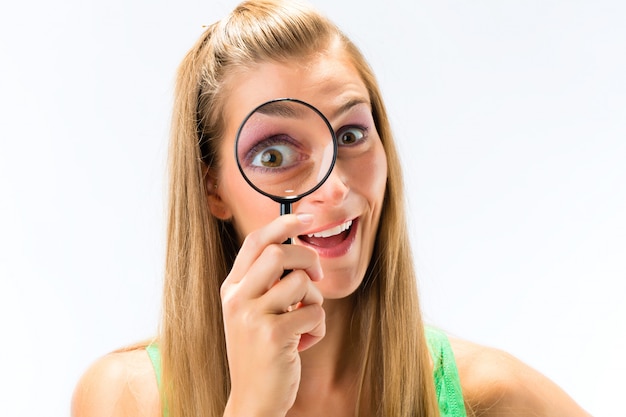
332, 366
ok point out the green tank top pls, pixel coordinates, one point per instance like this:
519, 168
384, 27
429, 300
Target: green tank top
445, 373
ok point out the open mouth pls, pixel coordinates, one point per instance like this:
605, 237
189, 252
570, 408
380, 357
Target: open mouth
330, 238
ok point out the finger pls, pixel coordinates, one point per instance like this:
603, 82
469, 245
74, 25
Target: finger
269, 267
275, 232
295, 289
307, 325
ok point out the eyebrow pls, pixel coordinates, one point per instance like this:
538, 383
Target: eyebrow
282, 108
287, 109
348, 105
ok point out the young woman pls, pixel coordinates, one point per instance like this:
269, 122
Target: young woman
339, 335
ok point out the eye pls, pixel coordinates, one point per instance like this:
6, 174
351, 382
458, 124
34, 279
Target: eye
274, 156
350, 135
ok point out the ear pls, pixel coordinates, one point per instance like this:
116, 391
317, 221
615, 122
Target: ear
217, 205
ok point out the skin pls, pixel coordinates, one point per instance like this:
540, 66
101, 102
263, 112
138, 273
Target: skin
306, 352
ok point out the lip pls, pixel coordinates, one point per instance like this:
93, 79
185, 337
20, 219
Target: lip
340, 249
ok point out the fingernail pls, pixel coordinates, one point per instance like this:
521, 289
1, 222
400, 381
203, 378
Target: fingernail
305, 218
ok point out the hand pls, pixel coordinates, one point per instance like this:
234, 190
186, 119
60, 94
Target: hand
264, 335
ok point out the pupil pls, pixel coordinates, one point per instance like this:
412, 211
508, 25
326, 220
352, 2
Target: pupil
271, 158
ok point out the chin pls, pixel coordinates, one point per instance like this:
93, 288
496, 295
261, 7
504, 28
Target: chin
340, 284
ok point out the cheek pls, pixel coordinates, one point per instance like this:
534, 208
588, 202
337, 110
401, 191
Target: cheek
250, 210
380, 167
373, 180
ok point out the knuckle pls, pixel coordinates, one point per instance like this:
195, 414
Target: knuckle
253, 240
299, 278
230, 303
249, 319
271, 332
230, 298
313, 254
273, 252
319, 312
224, 290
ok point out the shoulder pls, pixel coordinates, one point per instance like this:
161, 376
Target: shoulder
118, 384
495, 383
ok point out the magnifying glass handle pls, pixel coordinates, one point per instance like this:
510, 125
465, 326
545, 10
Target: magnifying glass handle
285, 208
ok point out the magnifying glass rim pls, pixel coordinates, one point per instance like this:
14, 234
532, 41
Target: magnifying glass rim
288, 199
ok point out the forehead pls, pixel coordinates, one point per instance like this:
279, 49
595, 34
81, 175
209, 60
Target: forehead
327, 81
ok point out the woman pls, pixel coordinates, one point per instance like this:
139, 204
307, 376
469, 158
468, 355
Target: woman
341, 334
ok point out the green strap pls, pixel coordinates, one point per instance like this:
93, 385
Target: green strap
155, 358
445, 373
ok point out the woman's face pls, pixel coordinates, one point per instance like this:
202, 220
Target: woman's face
347, 206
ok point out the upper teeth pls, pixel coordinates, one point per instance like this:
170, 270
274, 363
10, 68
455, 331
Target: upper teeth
333, 231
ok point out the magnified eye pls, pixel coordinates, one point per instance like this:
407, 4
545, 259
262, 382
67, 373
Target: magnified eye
273, 154
271, 157
350, 135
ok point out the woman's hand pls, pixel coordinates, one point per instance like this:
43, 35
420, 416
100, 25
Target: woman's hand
264, 331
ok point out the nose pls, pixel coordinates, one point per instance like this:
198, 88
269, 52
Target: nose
334, 190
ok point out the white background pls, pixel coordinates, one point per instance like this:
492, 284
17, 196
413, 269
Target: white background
511, 118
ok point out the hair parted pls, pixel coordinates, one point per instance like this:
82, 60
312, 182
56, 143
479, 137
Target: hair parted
201, 248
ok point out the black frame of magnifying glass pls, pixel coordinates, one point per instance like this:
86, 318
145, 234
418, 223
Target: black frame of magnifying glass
285, 202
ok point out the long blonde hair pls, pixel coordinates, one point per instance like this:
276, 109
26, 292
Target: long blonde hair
200, 248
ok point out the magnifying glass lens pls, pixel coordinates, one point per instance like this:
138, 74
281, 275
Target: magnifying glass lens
285, 149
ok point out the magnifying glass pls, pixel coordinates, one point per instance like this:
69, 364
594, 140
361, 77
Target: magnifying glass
285, 149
